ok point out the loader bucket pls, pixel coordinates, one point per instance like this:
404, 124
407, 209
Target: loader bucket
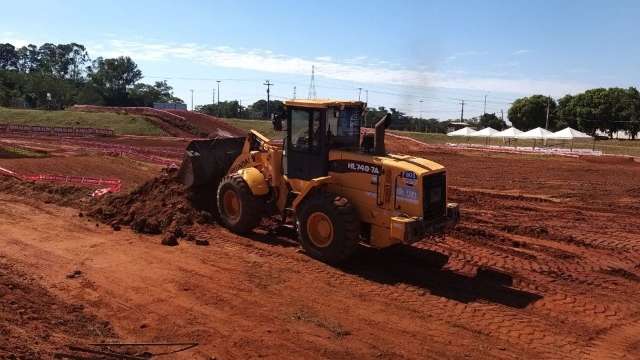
207, 161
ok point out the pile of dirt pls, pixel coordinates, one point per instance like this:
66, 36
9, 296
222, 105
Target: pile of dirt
215, 127
159, 206
62, 195
35, 324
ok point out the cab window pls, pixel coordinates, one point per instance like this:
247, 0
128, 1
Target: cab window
343, 127
305, 130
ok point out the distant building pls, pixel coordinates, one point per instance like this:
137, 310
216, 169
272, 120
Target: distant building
453, 126
170, 106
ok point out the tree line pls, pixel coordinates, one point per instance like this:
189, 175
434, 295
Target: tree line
233, 109
57, 76
605, 110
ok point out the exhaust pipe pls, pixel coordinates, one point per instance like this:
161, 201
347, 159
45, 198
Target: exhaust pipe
380, 127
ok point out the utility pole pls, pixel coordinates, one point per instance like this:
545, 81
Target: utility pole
268, 84
366, 96
218, 81
502, 115
294, 93
462, 111
546, 125
485, 105
191, 99
213, 99
421, 101
359, 93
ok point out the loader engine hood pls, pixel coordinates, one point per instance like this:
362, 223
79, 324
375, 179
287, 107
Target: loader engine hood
408, 163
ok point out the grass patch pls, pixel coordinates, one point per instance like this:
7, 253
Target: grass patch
9, 152
121, 124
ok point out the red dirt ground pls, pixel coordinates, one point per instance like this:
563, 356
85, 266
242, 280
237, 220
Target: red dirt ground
34, 323
544, 264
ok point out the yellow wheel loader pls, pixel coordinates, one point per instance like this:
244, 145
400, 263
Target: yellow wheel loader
337, 185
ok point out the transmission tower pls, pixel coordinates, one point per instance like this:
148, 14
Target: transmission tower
312, 84
294, 93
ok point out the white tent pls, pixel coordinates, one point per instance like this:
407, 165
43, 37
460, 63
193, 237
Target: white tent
486, 132
535, 134
465, 131
569, 134
509, 133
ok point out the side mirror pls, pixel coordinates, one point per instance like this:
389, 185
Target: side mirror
276, 120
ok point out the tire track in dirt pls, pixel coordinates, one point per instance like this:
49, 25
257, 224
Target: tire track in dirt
491, 320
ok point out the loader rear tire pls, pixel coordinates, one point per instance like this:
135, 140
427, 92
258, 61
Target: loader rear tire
328, 227
239, 210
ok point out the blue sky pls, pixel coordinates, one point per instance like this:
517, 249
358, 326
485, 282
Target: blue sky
402, 52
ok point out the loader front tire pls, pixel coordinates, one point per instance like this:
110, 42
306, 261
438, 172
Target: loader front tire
328, 227
239, 210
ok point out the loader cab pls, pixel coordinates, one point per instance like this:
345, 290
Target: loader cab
314, 127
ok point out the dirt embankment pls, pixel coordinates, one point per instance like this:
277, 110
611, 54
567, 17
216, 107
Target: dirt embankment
179, 123
214, 126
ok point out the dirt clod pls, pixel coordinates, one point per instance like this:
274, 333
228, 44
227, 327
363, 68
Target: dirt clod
75, 274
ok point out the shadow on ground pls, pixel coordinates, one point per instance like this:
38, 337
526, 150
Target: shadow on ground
424, 269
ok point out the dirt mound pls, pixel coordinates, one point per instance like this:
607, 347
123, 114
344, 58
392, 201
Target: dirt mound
170, 123
159, 206
34, 323
48, 193
214, 126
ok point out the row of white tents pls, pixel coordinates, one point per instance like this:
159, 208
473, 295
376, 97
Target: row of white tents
513, 133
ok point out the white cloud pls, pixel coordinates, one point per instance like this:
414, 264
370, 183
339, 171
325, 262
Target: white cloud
359, 70
521, 52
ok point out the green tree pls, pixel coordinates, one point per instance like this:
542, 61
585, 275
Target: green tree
145, 94
113, 78
225, 109
8, 57
531, 112
258, 110
608, 110
491, 120
28, 59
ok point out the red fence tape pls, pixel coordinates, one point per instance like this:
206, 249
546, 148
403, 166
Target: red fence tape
104, 185
55, 130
